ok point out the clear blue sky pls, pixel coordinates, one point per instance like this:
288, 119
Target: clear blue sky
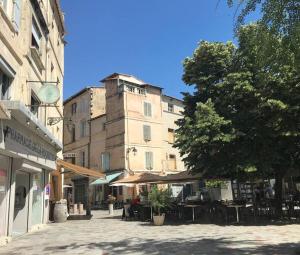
146, 38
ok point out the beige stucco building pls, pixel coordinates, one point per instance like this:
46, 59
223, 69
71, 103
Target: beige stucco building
130, 127
31, 58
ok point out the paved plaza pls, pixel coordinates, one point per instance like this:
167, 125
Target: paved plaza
110, 235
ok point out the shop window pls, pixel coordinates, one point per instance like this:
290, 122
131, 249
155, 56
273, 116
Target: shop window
171, 135
149, 160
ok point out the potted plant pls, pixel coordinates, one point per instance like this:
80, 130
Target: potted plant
111, 200
159, 200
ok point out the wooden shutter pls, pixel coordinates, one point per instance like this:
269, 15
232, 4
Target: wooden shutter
149, 160
147, 133
147, 109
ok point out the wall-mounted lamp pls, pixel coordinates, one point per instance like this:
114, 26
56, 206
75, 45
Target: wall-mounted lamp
133, 149
28, 122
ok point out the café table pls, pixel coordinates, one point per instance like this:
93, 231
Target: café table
237, 211
193, 209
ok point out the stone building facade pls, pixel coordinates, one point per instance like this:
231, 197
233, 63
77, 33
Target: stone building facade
132, 132
31, 57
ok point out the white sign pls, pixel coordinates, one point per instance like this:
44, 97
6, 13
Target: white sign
70, 155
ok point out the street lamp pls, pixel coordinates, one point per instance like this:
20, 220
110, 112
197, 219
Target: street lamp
133, 149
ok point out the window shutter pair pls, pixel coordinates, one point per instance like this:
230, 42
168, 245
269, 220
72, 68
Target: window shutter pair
147, 109
147, 133
149, 160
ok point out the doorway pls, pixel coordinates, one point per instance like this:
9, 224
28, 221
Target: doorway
20, 222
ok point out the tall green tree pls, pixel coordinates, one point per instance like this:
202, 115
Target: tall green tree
244, 114
282, 17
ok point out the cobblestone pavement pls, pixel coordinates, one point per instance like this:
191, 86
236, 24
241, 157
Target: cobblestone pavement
110, 235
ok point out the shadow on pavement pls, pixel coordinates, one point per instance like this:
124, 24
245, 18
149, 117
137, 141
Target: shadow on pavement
80, 217
179, 246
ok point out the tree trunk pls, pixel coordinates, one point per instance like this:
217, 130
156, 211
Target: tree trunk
278, 194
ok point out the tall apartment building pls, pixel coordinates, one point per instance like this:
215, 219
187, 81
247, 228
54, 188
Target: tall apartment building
131, 132
31, 55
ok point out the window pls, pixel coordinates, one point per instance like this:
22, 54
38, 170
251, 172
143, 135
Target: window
147, 132
147, 109
149, 160
36, 35
141, 91
172, 162
34, 105
16, 14
171, 136
73, 133
105, 161
130, 88
5, 83
73, 160
120, 190
170, 107
74, 108
3, 4
83, 128
82, 158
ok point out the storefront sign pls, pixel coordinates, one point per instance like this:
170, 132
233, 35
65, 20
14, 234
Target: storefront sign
70, 155
35, 147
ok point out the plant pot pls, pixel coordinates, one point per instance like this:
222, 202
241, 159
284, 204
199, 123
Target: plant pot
158, 220
111, 209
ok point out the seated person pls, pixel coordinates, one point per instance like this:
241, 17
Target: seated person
134, 206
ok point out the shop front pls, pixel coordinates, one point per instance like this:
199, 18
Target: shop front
27, 157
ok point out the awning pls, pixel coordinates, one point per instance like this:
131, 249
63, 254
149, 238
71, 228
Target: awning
78, 169
109, 178
140, 178
181, 177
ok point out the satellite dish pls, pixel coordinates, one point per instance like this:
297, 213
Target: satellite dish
49, 93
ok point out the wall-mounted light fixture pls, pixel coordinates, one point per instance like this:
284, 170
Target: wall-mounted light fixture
133, 149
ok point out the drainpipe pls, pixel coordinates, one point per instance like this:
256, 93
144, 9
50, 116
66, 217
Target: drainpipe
88, 207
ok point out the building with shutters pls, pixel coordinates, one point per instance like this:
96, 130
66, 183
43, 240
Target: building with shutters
131, 130
31, 57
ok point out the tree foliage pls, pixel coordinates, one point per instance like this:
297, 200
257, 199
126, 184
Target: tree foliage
282, 17
245, 111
